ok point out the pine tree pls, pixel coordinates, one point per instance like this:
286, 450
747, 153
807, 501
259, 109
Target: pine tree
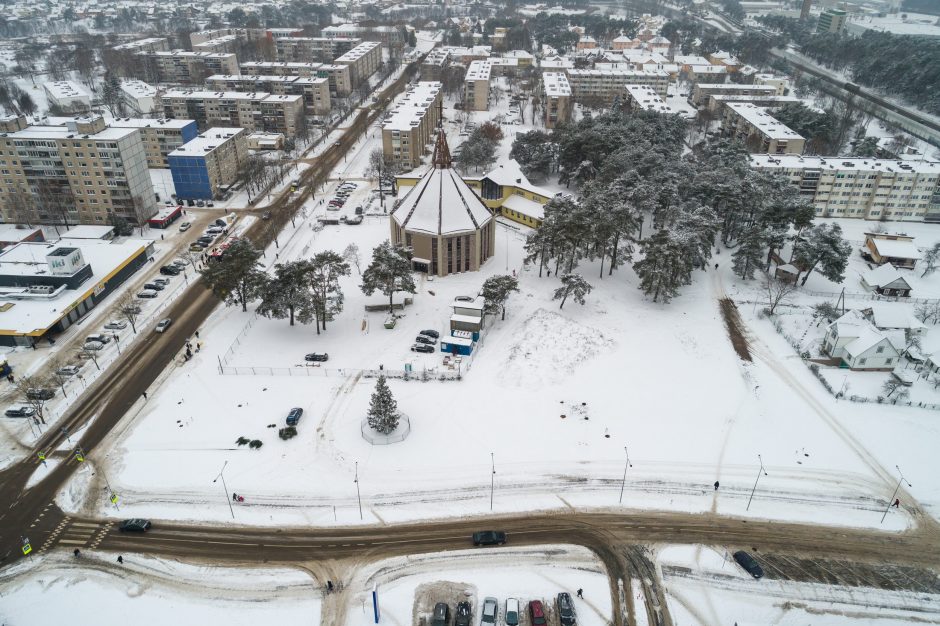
496, 290
390, 271
572, 285
823, 247
383, 410
288, 294
237, 278
664, 266
750, 253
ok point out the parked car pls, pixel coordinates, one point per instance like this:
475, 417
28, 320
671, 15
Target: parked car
92, 346
154, 286
135, 526
163, 324
750, 565
489, 538
196, 247
422, 347
185, 226
170, 270
293, 416
210, 203
355, 220
428, 340
147, 294
566, 614
463, 614
441, 615
40, 393
536, 613
358, 210
116, 325
200, 203
317, 357
20, 411
463, 299
68, 370
511, 616
489, 611
220, 222
100, 338
430, 333
266, 215
180, 263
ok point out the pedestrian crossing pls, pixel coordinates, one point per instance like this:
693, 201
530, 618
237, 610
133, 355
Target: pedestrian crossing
71, 534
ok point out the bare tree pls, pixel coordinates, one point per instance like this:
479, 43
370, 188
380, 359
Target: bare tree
894, 387
351, 255
88, 353
31, 389
19, 206
55, 199
777, 292
55, 365
129, 309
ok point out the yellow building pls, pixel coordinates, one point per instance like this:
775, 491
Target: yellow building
504, 189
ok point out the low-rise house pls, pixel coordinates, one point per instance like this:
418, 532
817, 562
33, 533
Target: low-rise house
887, 317
859, 345
898, 250
886, 281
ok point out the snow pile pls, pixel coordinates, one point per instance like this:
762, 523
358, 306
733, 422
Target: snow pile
547, 349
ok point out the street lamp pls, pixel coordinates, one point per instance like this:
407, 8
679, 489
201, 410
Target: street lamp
358, 495
625, 466
492, 478
225, 488
895, 494
760, 472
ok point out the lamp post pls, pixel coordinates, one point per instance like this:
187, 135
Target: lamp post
760, 472
358, 496
895, 494
492, 478
225, 488
625, 466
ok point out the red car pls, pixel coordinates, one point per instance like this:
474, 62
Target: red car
537, 613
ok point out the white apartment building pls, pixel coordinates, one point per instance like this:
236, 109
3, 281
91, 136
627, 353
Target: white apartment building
139, 97
645, 98
866, 188
67, 95
151, 44
182, 66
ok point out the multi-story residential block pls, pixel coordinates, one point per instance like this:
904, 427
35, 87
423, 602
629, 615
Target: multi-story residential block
84, 169
605, 85
759, 130
151, 44
139, 97
313, 49
315, 91
645, 98
338, 75
717, 102
556, 98
703, 91
866, 188
253, 111
67, 95
225, 43
388, 36
160, 136
476, 94
277, 33
432, 67
363, 61
204, 168
782, 83
245, 34
409, 125
831, 21
180, 66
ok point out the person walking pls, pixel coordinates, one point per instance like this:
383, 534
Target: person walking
716, 485
581, 593
121, 560
144, 394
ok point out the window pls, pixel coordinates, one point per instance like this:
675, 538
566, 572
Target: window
880, 349
862, 361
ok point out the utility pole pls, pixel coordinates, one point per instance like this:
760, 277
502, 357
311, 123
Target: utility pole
358, 495
492, 478
225, 488
759, 472
625, 466
895, 494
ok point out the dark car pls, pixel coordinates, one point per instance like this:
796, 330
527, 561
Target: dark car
427, 340
537, 613
317, 357
746, 561
135, 526
170, 270
294, 416
566, 614
20, 411
422, 347
40, 394
266, 215
463, 615
155, 286
431, 333
489, 538
441, 616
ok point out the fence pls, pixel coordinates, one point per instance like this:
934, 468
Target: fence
238, 339
869, 296
301, 370
379, 439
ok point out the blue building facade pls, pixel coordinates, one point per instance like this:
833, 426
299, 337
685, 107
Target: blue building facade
190, 177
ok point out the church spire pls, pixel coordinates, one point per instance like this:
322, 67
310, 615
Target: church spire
441, 158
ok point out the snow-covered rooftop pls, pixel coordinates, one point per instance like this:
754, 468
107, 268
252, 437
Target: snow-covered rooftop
862, 164
556, 84
882, 275
759, 118
896, 248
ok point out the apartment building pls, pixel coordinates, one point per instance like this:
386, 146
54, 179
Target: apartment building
758, 130
311, 49
205, 168
67, 95
866, 188
151, 44
253, 111
831, 21
138, 96
160, 136
94, 171
277, 33
409, 126
556, 98
782, 83
388, 36
363, 61
717, 102
180, 66
315, 91
605, 85
476, 83
644, 98
702, 92
432, 67
201, 37
225, 43
338, 75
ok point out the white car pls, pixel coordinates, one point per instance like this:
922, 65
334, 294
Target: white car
93, 346
116, 325
163, 324
185, 226
68, 370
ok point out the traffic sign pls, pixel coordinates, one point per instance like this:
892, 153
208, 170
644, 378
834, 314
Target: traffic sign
114, 498
79, 455
27, 549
